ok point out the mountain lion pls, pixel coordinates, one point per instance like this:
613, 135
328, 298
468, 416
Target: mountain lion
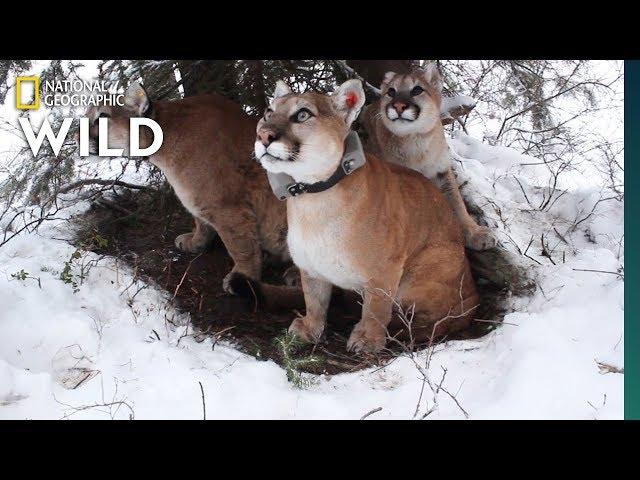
206, 157
404, 127
383, 230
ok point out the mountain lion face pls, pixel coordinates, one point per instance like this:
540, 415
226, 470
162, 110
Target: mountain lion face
303, 134
411, 102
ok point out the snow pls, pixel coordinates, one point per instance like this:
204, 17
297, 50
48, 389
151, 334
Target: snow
451, 103
116, 348
540, 364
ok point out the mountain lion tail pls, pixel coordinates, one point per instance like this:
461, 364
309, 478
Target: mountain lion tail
266, 296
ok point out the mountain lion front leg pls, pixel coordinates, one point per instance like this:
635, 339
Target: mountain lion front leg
238, 230
197, 240
317, 293
370, 333
476, 237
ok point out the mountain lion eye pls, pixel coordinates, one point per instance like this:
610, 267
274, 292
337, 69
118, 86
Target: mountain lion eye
267, 113
302, 115
417, 90
391, 92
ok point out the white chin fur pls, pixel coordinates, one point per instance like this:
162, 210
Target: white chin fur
409, 114
273, 166
259, 149
279, 150
312, 164
276, 149
402, 128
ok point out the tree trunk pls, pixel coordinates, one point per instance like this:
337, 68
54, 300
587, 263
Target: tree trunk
373, 70
256, 71
207, 76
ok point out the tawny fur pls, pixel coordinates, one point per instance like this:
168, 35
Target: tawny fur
206, 156
384, 230
420, 144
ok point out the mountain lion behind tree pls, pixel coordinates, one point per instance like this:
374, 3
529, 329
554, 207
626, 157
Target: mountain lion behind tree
206, 157
404, 127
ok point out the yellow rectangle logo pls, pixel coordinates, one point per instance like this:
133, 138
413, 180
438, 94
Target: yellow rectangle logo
35, 104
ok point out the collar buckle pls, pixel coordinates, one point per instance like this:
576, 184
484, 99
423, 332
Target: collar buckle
296, 189
347, 166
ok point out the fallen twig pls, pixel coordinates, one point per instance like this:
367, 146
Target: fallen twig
370, 412
527, 249
598, 271
204, 407
608, 368
98, 181
175, 293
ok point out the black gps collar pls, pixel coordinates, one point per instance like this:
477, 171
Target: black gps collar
284, 186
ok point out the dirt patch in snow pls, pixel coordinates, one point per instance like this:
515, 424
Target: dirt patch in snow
141, 226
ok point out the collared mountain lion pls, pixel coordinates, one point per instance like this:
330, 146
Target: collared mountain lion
383, 230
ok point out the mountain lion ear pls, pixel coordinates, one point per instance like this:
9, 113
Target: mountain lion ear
281, 90
348, 100
136, 99
386, 79
432, 76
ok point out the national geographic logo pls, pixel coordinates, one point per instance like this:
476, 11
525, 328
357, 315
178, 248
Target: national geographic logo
65, 93
82, 93
28, 93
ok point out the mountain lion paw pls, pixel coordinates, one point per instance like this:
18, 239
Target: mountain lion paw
186, 243
367, 337
306, 330
480, 238
236, 283
239, 284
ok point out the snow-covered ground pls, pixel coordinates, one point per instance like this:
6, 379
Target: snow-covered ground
542, 363
129, 354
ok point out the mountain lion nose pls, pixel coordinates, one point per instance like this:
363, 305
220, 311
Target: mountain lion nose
267, 136
400, 106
